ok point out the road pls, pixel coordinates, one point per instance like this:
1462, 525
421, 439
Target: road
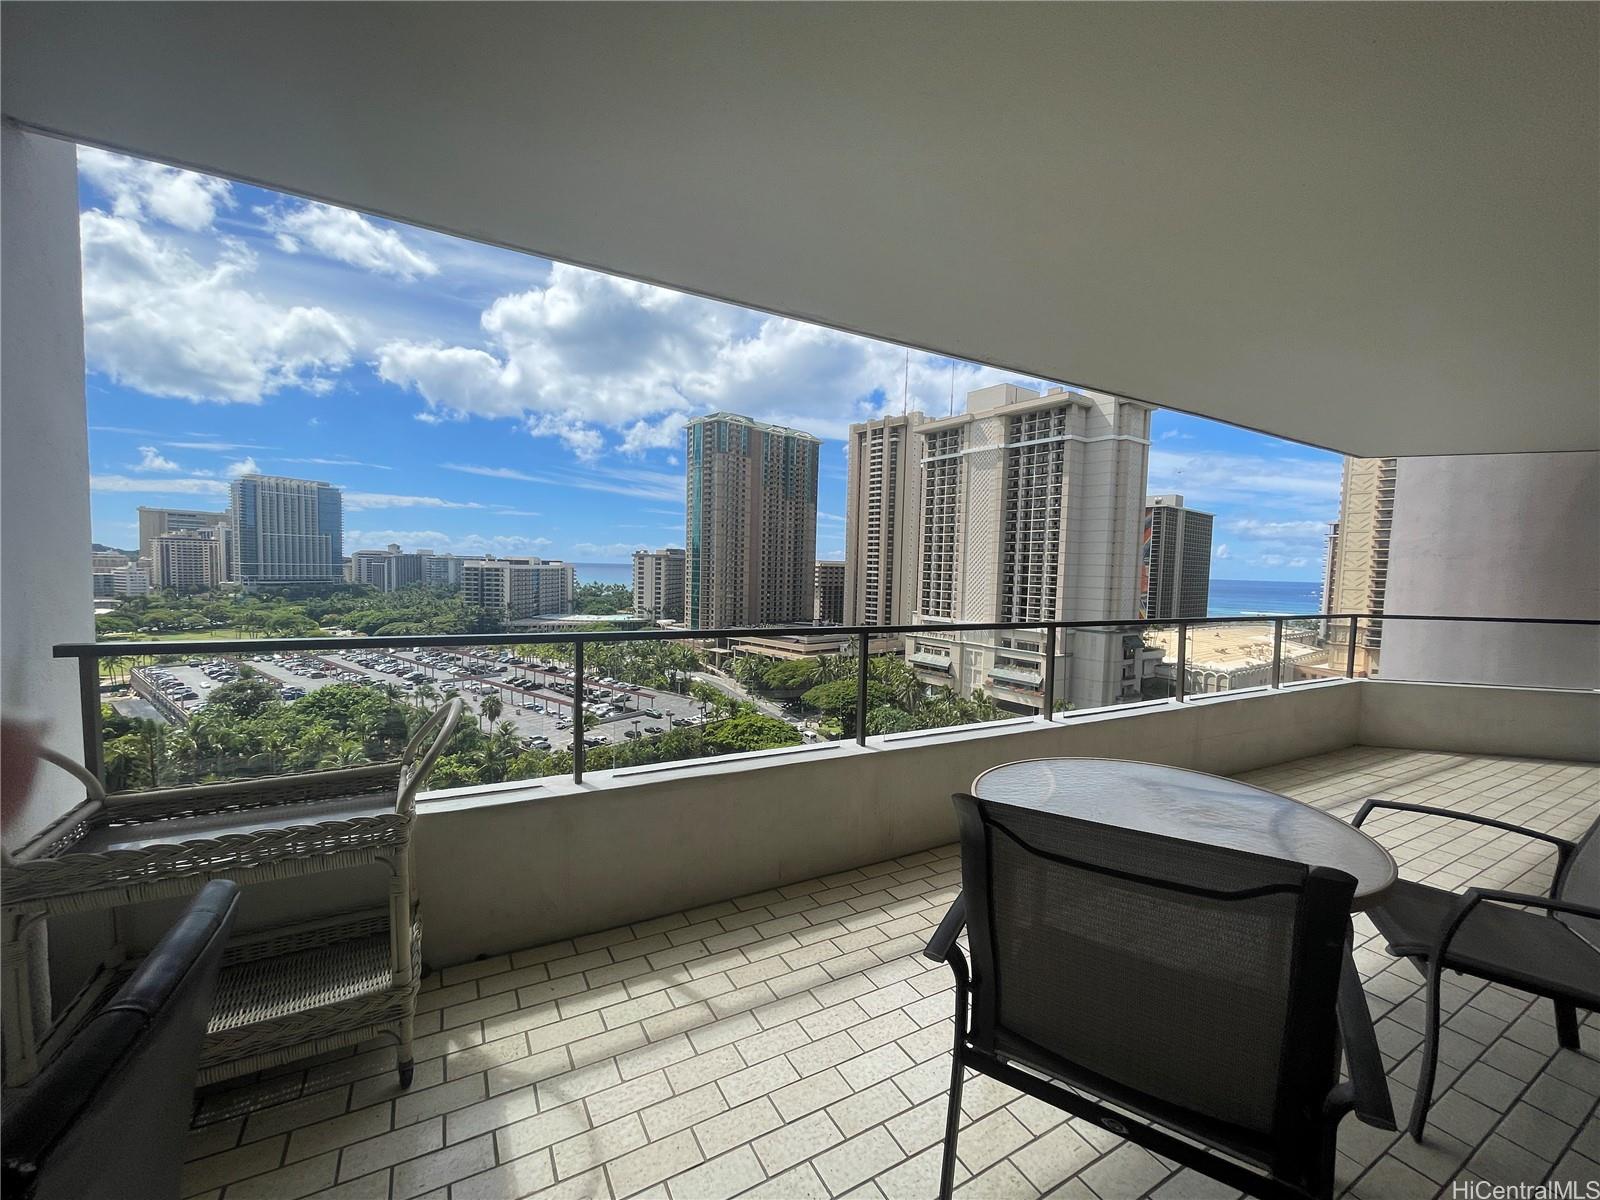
730, 688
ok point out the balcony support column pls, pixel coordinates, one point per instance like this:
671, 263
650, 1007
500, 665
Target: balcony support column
45, 591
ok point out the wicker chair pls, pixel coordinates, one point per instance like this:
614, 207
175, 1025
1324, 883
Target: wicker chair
285, 992
1193, 988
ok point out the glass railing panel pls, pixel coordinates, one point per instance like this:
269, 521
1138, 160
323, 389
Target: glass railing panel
175, 719
1314, 650
1228, 656
517, 719
1112, 666
937, 678
650, 701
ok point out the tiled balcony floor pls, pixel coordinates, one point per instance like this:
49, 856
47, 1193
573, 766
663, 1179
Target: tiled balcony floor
795, 1044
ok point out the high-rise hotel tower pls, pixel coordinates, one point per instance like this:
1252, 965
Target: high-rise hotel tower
751, 523
287, 531
1024, 507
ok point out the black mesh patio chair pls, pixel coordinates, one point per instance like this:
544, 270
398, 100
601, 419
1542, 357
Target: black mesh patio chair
1181, 996
108, 1118
1553, 952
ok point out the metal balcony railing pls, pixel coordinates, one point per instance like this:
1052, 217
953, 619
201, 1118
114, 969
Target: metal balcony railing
89, 654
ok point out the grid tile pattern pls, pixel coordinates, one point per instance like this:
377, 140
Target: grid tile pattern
795, 1044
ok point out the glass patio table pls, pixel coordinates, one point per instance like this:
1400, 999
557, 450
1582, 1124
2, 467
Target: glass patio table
1215, 811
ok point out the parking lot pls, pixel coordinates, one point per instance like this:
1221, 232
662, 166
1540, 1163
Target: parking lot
535, 696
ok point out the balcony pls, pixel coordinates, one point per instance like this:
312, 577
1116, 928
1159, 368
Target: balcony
792, 1041
696, 979
600, 1019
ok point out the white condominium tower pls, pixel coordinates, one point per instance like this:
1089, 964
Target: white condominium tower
751, 523
658, 584
880, 550
518, 588
287, 531
1029, 508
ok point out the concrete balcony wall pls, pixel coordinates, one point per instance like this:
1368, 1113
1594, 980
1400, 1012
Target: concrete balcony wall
533, 862
1495, 535
1520, 722
527, 863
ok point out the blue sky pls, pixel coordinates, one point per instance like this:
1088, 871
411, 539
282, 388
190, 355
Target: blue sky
473, 399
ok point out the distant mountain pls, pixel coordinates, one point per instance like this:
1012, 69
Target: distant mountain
97, 548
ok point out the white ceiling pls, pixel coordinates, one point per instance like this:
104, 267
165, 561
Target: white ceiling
1370, 227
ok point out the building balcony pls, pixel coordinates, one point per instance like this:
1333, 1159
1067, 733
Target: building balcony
706, 975
791, 1041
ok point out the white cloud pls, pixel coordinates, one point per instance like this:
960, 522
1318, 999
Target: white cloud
338, 462
471, 544
245, 466
623, 481
1207, 479
150, 459
606, 552
140, 189
588, 353
358, 501
658, 435
490, 472
1221, 551
189, 486
347, 237
219, 447
1298, 530
158, 320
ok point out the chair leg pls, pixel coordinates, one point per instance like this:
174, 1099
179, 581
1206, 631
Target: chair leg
1430, 1056
407, 1063
952, 1124
1567, 1025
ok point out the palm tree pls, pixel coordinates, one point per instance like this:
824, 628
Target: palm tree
153, 742
426, 692
121, 759
489, 709
835, 666
348, 753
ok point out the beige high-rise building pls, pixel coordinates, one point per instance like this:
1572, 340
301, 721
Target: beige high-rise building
1356, 576
154, 522
1030, 508
880, 554
751, 523
518, 588
190, 560
828, 606
658, 584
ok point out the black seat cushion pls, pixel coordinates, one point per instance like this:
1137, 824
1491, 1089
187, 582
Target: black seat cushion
1518, 947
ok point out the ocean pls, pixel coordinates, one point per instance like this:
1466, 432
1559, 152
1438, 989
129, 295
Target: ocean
1249, 597
1229, 597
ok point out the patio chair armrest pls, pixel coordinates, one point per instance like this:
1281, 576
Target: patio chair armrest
943, 940
1548, 903
1564, 848
1472, 897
